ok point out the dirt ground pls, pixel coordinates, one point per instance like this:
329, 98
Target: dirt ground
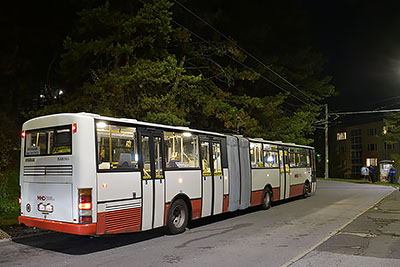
15, 231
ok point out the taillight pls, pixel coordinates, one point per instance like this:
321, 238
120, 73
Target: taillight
23, 134
20, 202
85, 205
74, 128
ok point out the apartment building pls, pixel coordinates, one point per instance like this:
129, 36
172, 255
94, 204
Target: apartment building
354, 146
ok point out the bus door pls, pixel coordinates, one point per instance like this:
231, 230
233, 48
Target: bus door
313, 171
153, 182
212, 178
284, 173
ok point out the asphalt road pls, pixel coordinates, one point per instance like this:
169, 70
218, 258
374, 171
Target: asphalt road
276, 237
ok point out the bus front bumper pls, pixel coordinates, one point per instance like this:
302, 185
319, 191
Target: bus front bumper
70, 228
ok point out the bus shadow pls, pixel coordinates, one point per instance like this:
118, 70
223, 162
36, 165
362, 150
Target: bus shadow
228, 215
81, 245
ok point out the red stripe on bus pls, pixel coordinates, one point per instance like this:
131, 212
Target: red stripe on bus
123, 221
226, 203
101, 223
165, 214
296, 190
70, 228
276, 193
256, 197
196, 208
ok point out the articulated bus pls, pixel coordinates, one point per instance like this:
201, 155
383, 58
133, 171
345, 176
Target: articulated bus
87, 174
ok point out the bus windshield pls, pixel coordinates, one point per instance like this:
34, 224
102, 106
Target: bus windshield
49, 141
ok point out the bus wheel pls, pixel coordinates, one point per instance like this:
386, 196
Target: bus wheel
266, 199
178, 216
306, 190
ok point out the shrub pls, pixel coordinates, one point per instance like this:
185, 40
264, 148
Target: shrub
9, 192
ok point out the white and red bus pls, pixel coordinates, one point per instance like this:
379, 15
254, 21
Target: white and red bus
87, 174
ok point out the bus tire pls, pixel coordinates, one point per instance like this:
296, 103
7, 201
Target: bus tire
306, 190
266, 199
178, 216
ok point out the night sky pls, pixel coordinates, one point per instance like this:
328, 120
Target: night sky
362, 43
360, 40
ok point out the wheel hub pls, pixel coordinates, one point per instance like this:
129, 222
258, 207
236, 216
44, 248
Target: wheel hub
266, 198
179, 217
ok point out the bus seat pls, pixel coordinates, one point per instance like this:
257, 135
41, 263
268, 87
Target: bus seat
125, 160
172, 163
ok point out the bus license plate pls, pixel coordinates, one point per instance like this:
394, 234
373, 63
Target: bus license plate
45, 207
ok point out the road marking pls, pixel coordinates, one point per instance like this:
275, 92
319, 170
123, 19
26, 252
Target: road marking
369, 235
301, 255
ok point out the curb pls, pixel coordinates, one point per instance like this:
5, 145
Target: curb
6, 236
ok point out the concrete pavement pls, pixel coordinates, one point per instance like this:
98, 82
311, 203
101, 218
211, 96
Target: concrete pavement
373, 239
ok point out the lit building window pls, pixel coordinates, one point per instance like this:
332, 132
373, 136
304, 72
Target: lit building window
372, 162
341, 136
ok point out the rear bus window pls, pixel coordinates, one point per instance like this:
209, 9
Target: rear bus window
51, 141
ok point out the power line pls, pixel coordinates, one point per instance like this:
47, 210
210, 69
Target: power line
237, 61
358, 120
365, 112
380, 101
391, 105
245, 51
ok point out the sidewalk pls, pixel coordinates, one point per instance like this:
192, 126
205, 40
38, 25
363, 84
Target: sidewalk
373, 239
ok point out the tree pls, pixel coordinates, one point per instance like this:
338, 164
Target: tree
392, 135
127, 59
276, 33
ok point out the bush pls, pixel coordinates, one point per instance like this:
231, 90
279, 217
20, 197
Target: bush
9, 193
6, 149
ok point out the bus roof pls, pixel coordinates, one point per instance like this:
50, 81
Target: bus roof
148, 124
279, 143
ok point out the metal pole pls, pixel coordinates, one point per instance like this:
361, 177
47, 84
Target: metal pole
326, 143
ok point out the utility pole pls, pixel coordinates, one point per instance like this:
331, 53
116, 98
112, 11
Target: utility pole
326, 143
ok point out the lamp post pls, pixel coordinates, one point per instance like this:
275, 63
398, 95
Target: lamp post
326, 143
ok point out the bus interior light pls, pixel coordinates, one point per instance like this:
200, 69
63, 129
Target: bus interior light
101, 125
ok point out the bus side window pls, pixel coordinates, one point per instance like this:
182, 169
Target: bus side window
270, 156
116, 147
256, 155
181, 150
